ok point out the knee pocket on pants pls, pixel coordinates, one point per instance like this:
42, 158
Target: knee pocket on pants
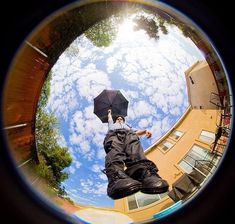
107, 146
133, 138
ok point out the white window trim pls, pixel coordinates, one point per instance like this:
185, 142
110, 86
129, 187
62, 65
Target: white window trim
141, 207
172, 135
183, 159
205, 138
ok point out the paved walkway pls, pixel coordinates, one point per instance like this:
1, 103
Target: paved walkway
99, 216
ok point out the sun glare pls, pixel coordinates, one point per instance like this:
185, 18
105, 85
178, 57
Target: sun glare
126, 30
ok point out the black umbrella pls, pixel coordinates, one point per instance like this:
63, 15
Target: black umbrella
110, 99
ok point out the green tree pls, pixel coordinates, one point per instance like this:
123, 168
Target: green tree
62, 192
45, 92
46, 129
104, 32
72, 51
58, 158
162, 25
53, 158
148, 25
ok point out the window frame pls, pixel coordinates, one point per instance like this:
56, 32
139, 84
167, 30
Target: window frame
205, 138
191, 80
204, 157
135, 196
161, 146
173, 134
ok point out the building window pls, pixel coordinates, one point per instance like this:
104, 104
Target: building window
139, 199
191, 79
200, 158
207, 136
176, 134
166, 145
132, 203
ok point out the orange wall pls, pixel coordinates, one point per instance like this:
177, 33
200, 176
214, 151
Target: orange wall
192, 124
204, 84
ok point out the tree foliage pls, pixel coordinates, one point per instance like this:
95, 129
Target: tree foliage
103, 33
45, 92
151, 24
53, 158
148, 25
72, 51
162, 26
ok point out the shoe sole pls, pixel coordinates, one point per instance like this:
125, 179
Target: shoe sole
154, 190
124, 192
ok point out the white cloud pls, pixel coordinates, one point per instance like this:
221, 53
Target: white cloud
97, 168
61, 141
101, 189
165, 124
102, 176
85, 150
111, 63
101, 154
175, 111
74, 139
141, 108
89, 187
74, 195
77, 164
128, 94
71, 170
145, 122
88, 82
86, 129
156, 130
92, 82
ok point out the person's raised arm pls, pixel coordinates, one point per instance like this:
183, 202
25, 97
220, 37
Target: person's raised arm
145, 132
110, 118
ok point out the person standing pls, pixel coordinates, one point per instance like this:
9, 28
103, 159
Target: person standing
126, 167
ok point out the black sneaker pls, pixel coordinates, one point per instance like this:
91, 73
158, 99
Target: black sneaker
121, 185
152, 183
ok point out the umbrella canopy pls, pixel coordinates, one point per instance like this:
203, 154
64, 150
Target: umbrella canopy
110, 99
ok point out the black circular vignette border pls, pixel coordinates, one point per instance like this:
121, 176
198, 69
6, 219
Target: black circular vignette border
214, 204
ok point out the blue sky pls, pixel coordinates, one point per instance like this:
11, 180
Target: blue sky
148, 72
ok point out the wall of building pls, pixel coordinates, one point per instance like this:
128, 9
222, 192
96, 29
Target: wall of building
21, 94
193, 122
200, 85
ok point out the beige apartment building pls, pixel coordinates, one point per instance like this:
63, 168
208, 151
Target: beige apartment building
190, 141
